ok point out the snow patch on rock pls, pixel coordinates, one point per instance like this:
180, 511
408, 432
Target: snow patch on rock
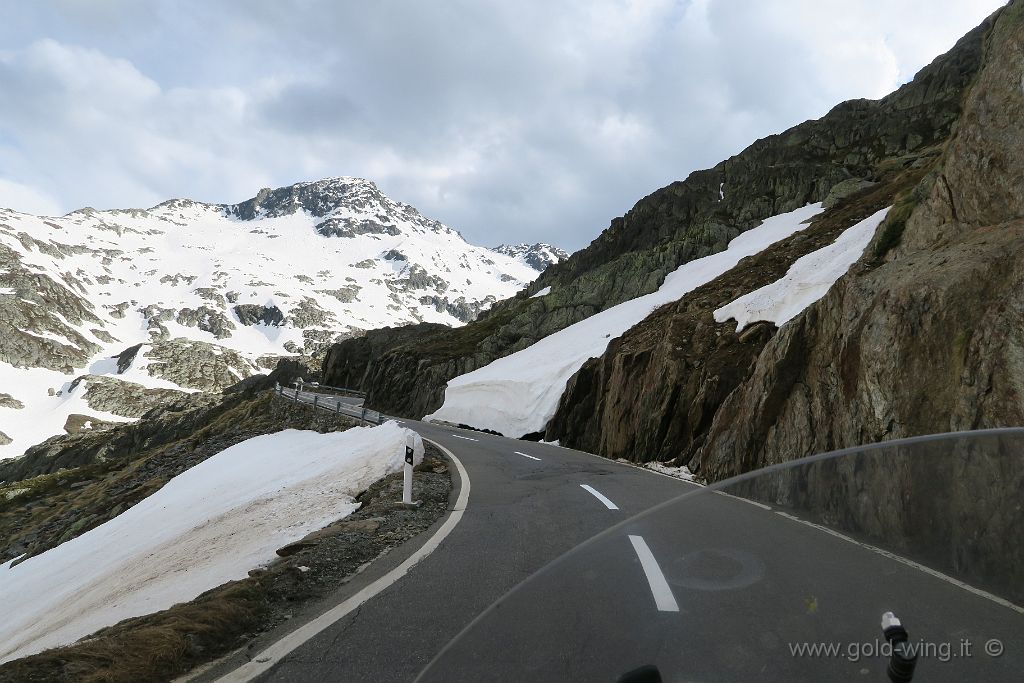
518, 394
806, 281
541, 292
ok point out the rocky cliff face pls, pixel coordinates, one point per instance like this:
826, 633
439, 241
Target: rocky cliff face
858, 146
926, 338
921, 336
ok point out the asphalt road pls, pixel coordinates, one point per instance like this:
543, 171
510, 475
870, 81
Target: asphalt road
715, 589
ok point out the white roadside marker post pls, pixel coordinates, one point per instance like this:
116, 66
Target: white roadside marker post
410, 445
410, 442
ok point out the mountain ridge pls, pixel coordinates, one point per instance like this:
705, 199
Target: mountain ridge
539, 256
217, 292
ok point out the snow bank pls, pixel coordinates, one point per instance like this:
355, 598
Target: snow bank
806, 281
682, 472
541, 292
209, 525
519, 393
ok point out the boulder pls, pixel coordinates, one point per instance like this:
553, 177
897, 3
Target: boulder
254, 314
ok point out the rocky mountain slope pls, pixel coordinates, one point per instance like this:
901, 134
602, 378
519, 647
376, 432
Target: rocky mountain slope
875, 151
924, 335
919, 337
104, 314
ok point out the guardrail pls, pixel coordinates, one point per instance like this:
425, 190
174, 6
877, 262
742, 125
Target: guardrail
326, 389
338, 407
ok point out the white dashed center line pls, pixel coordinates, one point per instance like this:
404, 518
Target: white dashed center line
463, 437
663, 598
526, 456
600, 496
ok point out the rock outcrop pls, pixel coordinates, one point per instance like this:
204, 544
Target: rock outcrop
127, 357
32, 336
254, 314
466, 311
80, 424
197, 365
119, 397
351, 359
8, 401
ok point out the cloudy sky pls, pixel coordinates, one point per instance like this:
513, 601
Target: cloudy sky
510, 121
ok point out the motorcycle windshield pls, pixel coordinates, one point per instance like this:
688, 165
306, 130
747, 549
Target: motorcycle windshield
784, 574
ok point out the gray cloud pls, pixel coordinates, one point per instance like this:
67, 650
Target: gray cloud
509, 121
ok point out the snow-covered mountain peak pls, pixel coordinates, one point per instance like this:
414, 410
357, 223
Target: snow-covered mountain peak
537, 256
342, 206
215, 292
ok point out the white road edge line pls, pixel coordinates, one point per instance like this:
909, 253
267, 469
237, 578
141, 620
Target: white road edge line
467, 438
910, 563
663, 597
269, 657
744, 500
600, 496
531, 457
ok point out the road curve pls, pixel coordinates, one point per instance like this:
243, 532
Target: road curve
532, 502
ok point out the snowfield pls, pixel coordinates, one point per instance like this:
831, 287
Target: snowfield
518, 394
209, 525
806, 281
43, 415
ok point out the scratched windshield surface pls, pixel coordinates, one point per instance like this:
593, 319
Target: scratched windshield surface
786, 574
